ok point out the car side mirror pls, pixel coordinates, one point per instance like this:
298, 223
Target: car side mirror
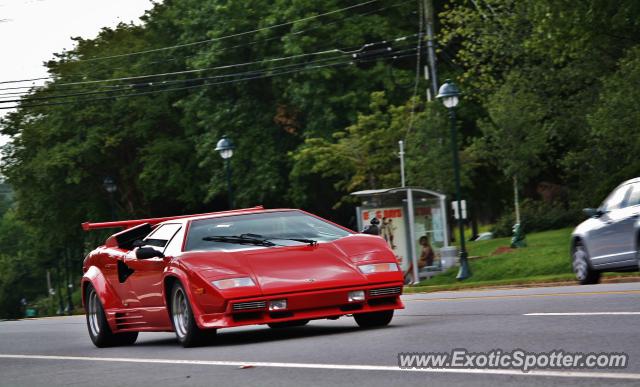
148, 252
593, 212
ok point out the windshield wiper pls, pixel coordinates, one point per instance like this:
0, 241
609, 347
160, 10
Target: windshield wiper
310, 242
244, 239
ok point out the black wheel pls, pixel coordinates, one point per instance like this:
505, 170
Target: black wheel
374, 319
288, 324
582, 269
99, 330
185, 326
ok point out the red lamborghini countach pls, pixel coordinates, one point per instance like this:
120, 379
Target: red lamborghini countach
194, 274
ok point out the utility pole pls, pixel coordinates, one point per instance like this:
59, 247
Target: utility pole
516, 200
68, 279
58, 272
430, 74
401, 155
50, 291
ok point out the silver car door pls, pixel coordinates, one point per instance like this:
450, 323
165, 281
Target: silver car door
607, 242
626, 229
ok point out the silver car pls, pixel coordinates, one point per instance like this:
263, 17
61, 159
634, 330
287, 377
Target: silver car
609, 239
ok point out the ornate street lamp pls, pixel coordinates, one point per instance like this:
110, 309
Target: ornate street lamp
449, 94
225, 148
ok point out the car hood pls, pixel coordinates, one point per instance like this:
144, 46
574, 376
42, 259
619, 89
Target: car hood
293, 268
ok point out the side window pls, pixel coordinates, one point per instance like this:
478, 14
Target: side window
175, 245
618, 199
634, 198
162, 235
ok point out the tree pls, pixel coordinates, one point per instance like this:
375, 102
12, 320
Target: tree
613, 143
364, 155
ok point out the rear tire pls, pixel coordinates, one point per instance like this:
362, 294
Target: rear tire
184, 324
374, 319
99, 330
582, 269
288, 324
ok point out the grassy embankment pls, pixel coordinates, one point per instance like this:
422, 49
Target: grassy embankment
545, 259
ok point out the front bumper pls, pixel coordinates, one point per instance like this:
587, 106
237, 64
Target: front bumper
320, 304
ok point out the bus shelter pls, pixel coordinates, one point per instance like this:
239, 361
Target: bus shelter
407, 215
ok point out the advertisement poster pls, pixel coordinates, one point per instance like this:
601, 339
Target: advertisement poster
392, 229
428, 223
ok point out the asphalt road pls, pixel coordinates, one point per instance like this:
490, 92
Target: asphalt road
57, 351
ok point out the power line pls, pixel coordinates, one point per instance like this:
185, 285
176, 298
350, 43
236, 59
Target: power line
124, 87
224, 49
205, 84
25, 80
194, 70
417, 77
167, 83
235, 65
229, 36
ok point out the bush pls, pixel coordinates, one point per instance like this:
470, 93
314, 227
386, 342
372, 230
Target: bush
537, 215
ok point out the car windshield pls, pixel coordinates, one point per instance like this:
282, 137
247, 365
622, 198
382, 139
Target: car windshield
282, 228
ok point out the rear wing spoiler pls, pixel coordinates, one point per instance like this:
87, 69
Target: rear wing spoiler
126, 224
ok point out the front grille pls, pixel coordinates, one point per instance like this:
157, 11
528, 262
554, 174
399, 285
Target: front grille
384, 291
250, 305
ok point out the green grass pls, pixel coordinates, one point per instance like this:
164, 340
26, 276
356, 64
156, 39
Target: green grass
545, 259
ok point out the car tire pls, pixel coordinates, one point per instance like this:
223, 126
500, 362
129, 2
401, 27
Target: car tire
99, 330
374, 319
288, 324
584, 273
184, 324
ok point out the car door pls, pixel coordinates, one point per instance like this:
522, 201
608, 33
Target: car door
625, 227
115, 273
146, 280
609, 238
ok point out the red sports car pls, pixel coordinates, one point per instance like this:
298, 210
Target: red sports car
194, 274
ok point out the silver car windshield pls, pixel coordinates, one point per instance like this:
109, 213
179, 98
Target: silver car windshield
284, 228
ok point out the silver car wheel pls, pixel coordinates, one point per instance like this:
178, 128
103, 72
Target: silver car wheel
93, 305
580, 265
180, 312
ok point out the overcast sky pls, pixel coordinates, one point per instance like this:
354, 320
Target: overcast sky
32, 30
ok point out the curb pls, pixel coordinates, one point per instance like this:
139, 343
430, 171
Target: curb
604, 280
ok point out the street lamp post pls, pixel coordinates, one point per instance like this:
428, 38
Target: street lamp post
110, 186
225, 148
449, 94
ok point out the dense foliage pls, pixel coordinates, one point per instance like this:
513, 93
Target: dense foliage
550, 89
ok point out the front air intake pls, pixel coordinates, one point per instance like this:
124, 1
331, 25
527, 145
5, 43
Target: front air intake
249, 305
385, 291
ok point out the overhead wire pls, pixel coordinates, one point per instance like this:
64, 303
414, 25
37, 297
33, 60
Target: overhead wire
417, 76
167, 83
230, 35
224, 67
161, 83
217, 51
261, 76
